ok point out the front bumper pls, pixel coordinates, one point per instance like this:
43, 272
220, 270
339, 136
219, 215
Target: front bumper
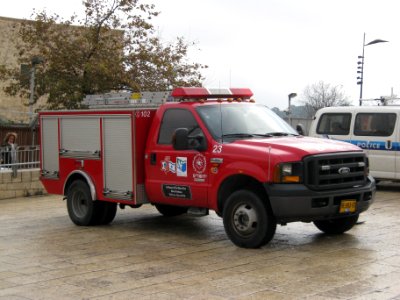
296, 202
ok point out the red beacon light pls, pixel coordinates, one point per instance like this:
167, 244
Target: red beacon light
204, 93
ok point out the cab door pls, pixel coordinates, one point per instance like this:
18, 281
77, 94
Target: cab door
177, 177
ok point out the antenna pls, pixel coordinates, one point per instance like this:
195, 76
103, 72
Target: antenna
269, 164
222, 134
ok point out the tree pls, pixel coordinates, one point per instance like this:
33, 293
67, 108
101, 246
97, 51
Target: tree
113, 47
321, 94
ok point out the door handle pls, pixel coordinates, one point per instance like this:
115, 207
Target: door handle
153, 159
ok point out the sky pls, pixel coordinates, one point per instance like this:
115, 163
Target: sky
275, 47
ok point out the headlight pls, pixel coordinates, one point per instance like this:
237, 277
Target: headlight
288, 173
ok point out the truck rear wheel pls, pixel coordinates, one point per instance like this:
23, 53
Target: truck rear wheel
82, 210
170, 210
337, 226
107, 212
248, 221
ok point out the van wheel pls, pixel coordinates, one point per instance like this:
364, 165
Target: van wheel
81, 208
170, 210
337, 226
248, 221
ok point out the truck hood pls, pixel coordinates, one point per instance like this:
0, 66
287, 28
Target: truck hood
299, 146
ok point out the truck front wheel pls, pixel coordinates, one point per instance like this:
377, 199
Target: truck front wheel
337, 226
81, 208
248, 221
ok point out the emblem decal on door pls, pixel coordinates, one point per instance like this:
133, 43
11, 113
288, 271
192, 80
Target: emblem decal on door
181, 166
168, 166
199, 166
199, 163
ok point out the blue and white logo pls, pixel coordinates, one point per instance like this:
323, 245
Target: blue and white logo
172, 167
181, 166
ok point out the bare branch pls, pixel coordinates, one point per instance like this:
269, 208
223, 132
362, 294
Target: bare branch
321, 94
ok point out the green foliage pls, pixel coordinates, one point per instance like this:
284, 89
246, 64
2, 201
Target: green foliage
113, 47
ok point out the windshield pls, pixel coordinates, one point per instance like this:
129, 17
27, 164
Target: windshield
243, 120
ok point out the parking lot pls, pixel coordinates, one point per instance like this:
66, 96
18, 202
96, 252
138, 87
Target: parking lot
143, 255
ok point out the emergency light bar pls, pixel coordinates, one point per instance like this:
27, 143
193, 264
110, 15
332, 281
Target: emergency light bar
204, 93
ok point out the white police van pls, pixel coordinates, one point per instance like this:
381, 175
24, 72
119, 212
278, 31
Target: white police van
373, 128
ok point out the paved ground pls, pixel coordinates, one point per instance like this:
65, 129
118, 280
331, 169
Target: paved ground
145, 256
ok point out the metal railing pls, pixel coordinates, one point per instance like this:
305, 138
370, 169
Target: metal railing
23, 157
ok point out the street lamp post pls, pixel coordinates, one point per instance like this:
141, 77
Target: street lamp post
290, 96
360, 68
35, 61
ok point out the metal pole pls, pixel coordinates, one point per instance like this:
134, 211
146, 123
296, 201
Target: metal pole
362, 72
290, 96
32, 90
361, 82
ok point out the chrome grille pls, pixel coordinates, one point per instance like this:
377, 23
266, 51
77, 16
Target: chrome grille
336, 171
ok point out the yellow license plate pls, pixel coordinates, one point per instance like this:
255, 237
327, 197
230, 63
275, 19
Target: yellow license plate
348, 206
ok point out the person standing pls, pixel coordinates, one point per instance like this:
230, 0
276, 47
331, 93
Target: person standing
9, 149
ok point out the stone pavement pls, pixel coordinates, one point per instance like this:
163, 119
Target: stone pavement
143, 255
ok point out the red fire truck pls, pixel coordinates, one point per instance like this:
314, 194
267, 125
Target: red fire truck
197, 149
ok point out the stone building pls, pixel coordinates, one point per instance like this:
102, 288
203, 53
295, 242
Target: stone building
15, 109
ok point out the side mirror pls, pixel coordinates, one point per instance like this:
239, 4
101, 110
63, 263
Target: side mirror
198, 143
300, 129
180, 140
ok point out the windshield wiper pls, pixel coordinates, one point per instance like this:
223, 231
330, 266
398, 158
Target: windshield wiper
279, 134
263, 135
252, 135
238, 135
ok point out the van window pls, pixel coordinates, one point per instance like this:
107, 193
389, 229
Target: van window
334, 123
374, 124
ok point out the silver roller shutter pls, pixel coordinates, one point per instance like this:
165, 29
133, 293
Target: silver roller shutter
117, 143
49, 138
80, 133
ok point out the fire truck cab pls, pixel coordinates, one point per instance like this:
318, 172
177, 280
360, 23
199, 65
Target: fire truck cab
183, 152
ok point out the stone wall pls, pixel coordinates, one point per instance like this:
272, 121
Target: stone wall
11, 107
9, 28
25, 184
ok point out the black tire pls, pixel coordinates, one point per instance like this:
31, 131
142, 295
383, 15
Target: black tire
107, 212
337, 226
170, 210
248, 220
82, 210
